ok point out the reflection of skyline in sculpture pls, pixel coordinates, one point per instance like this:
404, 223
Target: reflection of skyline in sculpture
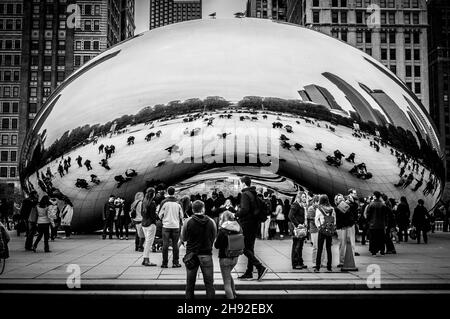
153, 107
358, 102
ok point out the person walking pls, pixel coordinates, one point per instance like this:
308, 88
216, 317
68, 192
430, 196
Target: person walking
249, 224
227, 226
109, 213
325, 221
199, 233
87, 163
171, 215
376, 215
149, 218
421, 220
297, 217
136, 217
66, 217
43, 223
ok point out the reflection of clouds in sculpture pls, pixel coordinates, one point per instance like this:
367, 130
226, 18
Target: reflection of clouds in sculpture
139, 89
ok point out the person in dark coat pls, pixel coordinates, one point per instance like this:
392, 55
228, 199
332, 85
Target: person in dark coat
375, 214
297, 217
420, 220
249, 225
403, 219
30, 227
109, 212
390, 224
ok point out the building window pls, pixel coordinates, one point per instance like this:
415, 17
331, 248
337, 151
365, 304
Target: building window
407, 38
77, 45
344, 36
383, 37
61, 60
334, 17
12, 172
47, 60
86, 58
77, 60
416, 54
391, 17
6, 91
96, 45
316, 17
87, 25
87, 45
15, 91
407, 17
334, 3
96, 25
408, 70
88, 9
368, 37
14, 124
17, 44
407, 54
33, 92
34, 45
417, 71
48, 45
406, 4
417, 88
61, 45
46, 91
5, 124
383, 54
5, 107
49, 24
5, 139
33, 76
416, 18
62, 24
47, 76
97, 10
13, 139
60, 76
4, 156
343, 17
416, 38
359, 37
315, 3
3, 171
359, 17
32, 107
393, 54
391, 37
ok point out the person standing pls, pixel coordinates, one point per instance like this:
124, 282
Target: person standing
43, 223
87, 163
297, 218
403, 219
171, 214
149, 218
421, 220
123, 219
265, 224
227, 226
249, 224
376, 218
312, 228
28, 214
109, 213
346, 217
66, 217
280, 218
79, 160
55, 219
199, 233
136, 216
325, 218
390, 225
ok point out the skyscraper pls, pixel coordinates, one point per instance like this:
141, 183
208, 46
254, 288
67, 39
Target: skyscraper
267, 9
45, 42
165, 12
439, 59
396, 34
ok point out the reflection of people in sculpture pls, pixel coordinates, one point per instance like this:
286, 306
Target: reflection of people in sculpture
409, 180
95, 179
298, 146
351, 158
49, 173
149, 136
81, 183
158, 134
173, 148
60, 170
429, 187
401, 181
130, 140
419, 184
223, 135
100, 148
360, 171
120, 180
286, 145
104, 163
79, 159
87, 163
318, 147
130, 172
66, 166
68, 161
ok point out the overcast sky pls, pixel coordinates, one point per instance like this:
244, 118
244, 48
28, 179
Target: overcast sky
223, 9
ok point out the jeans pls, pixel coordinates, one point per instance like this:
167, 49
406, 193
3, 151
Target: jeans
297, 251
423, 231
207, 268
376, 244
315, 242
120, 225
265, 229
343, 234
249, 232
281, 225
167, 234
327, 240
108, 225
226, 267
43, 230
149, 232
32, 228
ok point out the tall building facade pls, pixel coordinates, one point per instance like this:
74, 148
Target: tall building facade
396, 34
439, 72
46, 42
165, 12
267, 9
11, 27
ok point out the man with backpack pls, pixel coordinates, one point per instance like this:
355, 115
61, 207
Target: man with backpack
251, 213
199, 232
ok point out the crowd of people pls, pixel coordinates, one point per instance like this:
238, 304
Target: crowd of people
200, 222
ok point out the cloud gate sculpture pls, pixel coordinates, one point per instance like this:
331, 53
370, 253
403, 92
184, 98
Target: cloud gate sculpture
209, 100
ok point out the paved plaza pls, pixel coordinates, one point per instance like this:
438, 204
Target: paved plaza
113, 265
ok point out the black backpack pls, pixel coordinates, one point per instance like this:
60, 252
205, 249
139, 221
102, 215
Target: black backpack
236, 245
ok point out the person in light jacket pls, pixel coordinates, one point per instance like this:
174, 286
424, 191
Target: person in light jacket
323, 212
66, 217
149, 218
136, 212
43, 223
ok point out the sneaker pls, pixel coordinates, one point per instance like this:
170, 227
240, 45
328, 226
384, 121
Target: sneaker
356, 254
246, 275
261, 273
316, 269
164, 266
176, 266
304, 266
329, 269
148, 264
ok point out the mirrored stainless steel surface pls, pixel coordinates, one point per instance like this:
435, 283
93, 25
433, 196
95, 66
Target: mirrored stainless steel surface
245, 96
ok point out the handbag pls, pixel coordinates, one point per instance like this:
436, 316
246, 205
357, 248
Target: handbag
343, 206
412, 232
300, 231
191, 260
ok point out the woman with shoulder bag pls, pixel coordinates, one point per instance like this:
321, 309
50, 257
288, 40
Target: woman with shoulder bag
325, 221
297, 218
66, 217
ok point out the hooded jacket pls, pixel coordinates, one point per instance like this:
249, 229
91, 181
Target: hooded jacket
228, 227
199, 232
248, 203
137, 207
